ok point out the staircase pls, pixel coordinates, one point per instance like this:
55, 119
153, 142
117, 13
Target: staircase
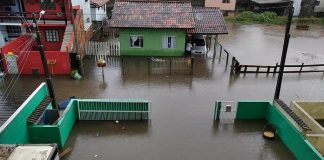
67, 37
34, 117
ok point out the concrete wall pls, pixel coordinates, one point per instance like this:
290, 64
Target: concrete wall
314, 109
319, 8
305, 110
152, 42
219, 3
14, 130
57, 133
251, 109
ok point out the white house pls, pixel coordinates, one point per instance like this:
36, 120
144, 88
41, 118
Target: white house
85, 6
320, 8
98, 9
297, 7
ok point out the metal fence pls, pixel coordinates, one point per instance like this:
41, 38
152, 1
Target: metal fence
170, 65
109, 48
114, 109
110, 32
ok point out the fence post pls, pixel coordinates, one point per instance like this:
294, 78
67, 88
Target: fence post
149, 65
257, 70
237, 67
275, 69
268, 70
221, 50
232, 66
227, 54
301, 67
192, 64
170, 65
218, 106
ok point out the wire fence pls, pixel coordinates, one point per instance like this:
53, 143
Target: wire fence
174, 65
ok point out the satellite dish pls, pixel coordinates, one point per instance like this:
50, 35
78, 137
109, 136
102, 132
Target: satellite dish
199, 16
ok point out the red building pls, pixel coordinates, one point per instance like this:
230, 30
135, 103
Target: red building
21, 56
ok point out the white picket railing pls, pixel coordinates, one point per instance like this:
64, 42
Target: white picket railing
109, 48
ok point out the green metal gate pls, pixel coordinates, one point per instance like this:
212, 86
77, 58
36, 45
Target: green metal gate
114, 109
225, 111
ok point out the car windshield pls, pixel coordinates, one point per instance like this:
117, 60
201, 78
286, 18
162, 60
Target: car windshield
199, 42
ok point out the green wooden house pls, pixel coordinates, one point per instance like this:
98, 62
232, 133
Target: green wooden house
156, 28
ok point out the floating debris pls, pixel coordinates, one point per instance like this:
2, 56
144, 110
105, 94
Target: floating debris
116, 121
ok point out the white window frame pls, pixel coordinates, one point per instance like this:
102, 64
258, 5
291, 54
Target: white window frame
169, 44
52, 35
131, 43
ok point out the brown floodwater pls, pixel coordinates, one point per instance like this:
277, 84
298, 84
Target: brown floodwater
182, 125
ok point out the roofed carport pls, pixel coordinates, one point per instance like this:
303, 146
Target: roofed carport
208, 21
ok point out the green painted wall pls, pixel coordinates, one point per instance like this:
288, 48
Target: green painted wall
251, 109
16, 131
152, 42
291, 137
58, 133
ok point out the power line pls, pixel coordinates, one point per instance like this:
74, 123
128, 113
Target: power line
15, 77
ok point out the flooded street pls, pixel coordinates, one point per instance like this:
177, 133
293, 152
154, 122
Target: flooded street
182, 125
262, 44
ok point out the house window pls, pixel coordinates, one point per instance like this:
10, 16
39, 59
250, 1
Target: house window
13, 31
52, 35
86, 0
168, 42
47, 4
226, 1
136, 41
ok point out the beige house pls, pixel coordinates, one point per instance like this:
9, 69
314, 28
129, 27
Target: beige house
224, 5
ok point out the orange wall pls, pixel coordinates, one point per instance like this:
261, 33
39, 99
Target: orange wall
223, 6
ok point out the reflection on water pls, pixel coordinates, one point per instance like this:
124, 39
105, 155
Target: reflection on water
262, 44
247, 136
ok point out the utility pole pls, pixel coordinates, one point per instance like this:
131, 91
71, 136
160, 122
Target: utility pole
284, 52
45, 66
76, 44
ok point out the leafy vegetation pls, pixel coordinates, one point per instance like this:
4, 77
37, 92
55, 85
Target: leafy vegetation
248, 17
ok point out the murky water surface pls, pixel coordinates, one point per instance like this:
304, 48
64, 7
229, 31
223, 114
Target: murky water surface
182, 105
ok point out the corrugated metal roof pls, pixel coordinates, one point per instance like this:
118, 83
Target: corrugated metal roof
271, 1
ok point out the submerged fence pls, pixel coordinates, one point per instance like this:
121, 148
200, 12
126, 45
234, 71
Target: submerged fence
109, 48
114, 109
170, 65
299, 68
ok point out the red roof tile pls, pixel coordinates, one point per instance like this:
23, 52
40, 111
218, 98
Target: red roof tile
208, 20
98, 3
152, 14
